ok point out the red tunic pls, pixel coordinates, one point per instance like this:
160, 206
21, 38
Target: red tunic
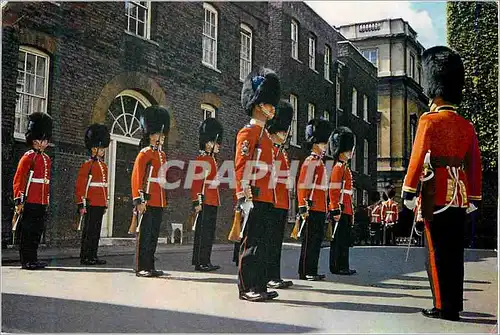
313, 167
39, 189
375, 213
341, 170
281, 190
155, 158
97, 194
211, 187
390, 211
452, 141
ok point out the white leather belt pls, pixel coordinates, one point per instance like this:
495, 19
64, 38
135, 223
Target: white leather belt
349, 192
389, 212
282, 180
98, 184
157, 180
40, 181
213, 183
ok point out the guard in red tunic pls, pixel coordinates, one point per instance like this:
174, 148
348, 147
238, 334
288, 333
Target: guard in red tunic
148, 195
341, 146
91, 193
374, 212
278, 129
31, 189
205, 195
312, 191
446, 159
260, 95
390, 213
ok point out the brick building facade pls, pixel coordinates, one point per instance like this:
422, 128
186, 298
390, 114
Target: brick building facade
98, 62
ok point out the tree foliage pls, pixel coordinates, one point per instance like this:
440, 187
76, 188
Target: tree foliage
473, 32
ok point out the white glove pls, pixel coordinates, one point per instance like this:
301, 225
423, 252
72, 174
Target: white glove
246, 206
471, 208
410, 204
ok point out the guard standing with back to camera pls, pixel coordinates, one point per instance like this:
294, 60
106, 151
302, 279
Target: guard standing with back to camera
446, 159
91, 192
312, 195
279, 129
341, 146
32, 188
259, 97
205, 195
148, 195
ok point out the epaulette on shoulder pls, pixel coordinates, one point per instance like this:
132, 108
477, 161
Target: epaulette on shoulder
145, 149
249, 125
29, 152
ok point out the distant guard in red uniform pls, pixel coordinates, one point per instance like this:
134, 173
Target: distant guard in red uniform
32, 188
91, 193
312, 196
341, 146
148, 195
374, 212
205, 195
446, 159
390, 216
259, 97
278, 129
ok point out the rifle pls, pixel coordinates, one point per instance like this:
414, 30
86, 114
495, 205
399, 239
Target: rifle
136, 216
236, 233
17, 215
299, 221
146, 201
201, 196
84, 199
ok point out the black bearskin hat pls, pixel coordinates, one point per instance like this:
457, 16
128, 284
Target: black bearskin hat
391, 192
209, 130
260, 87
341, 140
443, 74
318, 131
97, 135
39, 127
384, 196
375, 196
155, 119
282, 118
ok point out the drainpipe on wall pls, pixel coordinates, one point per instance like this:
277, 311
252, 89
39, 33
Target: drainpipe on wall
405, 135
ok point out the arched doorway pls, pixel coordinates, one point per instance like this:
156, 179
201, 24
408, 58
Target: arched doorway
123, 120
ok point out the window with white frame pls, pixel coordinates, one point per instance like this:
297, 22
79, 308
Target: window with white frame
337, 93
419, 75
310, 111
138, 15
354, 108
379, 139
326, 115
365, 107
353, 159
365, 197
328, 53
245, 51
354, 197
31, 87
210, 36
365, 157
312, 52
371, 55
208, 111
294, 130
295, 39
412, 66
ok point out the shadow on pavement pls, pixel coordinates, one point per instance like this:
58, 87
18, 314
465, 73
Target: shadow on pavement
366, 293
349, 306
52, 315
425, 279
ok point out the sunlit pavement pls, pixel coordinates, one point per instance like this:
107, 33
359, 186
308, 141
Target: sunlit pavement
385, 296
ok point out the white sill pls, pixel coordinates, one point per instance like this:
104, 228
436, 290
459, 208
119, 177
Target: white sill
328, 80
340, 110
295, 145
142, 38
211, 67
314, 70
56, 3
297, 60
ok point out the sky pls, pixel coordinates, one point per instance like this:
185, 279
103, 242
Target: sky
427, 18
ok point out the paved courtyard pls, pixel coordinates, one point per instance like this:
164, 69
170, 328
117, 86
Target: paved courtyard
386, 296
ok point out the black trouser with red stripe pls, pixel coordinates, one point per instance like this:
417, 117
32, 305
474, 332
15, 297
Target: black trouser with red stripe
204, 235
91, 232
276, 242
339, 246
252, 271
31, 228
148, 238
312, 235
445, 262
